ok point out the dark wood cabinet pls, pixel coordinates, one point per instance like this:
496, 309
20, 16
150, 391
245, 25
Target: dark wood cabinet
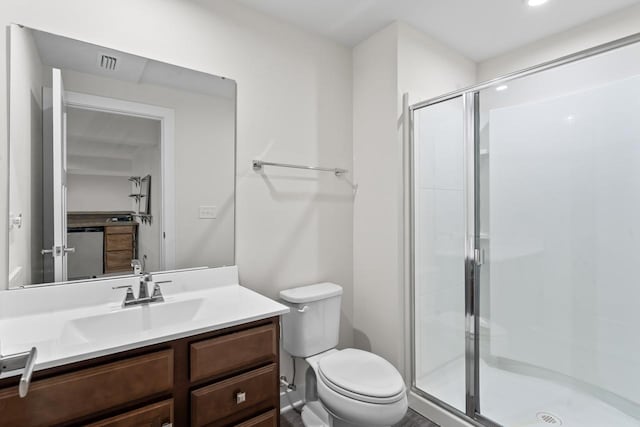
233, 399
251, 347
222, 378
156, 415
268, 419
119, 247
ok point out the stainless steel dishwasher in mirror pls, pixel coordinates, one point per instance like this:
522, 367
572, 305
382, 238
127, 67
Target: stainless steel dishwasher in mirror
87, 260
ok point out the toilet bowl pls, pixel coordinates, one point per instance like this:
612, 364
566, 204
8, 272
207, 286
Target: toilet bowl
347, 388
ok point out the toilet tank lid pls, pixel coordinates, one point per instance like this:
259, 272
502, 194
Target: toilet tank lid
311, 293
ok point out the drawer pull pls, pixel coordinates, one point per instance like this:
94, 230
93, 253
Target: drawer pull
26, 360
25, 380
241, 396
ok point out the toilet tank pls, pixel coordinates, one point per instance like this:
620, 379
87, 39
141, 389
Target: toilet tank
313, 324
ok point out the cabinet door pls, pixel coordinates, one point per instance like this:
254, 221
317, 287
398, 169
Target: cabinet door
268, 419
119, 229
67, 397
118, 242
118, 261
157, 415
236, 398
232, 352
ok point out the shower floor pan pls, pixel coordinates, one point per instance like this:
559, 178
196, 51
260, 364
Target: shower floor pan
516, 400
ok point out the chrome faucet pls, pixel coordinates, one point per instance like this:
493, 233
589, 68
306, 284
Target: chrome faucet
145, 279
143, 290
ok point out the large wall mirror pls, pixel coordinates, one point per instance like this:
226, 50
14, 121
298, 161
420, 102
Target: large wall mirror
114, 158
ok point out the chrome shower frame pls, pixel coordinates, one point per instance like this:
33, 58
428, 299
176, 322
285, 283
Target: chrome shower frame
472, 262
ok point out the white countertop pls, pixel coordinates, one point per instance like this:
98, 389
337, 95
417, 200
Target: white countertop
195, 303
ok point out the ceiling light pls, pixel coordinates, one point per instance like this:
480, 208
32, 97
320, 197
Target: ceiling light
534, 3
502, 87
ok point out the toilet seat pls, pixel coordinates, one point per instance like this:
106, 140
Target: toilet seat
362, 376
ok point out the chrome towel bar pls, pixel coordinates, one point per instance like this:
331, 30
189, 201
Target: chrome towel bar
258, 164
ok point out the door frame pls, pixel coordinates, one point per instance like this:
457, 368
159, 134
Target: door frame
166, 117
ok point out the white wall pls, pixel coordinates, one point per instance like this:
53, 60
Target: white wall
25, 155
377, 208
428, 68
395, 60
90, 193
294, 105
603, 30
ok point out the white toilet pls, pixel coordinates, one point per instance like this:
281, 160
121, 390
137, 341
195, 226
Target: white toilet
344, 388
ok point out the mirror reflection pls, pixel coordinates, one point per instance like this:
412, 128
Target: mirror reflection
115, 158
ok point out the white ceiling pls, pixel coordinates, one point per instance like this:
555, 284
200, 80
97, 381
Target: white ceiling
66, 53
479, 29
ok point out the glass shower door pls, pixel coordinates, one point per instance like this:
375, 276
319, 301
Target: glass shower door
438, 255
559, 199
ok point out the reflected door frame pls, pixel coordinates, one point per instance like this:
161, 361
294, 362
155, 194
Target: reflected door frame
166, 117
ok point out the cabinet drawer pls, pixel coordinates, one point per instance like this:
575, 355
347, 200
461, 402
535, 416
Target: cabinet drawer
119, 229
70, 396
118, 260
268, 419
228, 353
156, 415
118, 242
212, 404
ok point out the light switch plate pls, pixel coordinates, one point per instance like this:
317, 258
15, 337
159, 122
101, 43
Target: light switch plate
207, 212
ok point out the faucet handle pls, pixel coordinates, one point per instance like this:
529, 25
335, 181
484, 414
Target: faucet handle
157, 292
129, 296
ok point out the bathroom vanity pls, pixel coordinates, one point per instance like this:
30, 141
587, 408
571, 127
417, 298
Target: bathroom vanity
202, 350
207, 356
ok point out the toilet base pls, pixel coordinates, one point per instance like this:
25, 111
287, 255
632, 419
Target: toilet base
315, 415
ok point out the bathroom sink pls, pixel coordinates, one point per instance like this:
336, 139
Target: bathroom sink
131, 320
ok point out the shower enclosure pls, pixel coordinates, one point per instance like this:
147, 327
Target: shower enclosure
525, 214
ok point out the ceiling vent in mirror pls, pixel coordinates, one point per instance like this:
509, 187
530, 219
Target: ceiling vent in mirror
107, 62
